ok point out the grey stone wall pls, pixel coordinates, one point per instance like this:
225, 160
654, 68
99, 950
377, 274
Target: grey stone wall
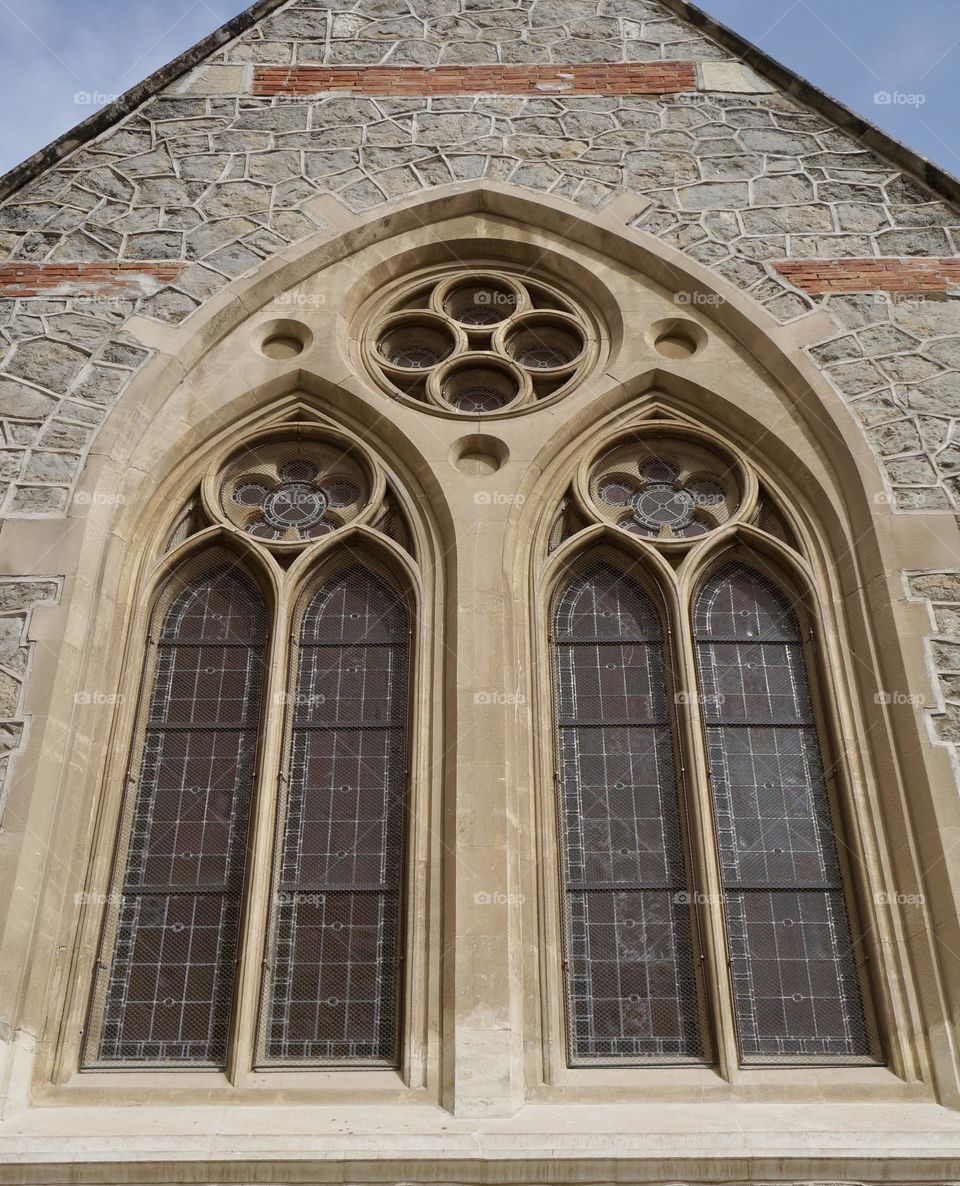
941, 592
738, 175
220, 181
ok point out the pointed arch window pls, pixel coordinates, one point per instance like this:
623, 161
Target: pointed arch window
631, 988
334, 986
164, 992
283, 714
792, 955
731, 698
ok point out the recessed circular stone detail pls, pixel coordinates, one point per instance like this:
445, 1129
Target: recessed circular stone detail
282, 347
284, 339
478, 454
676, 337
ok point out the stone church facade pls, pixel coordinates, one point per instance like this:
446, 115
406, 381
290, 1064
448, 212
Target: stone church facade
479, 615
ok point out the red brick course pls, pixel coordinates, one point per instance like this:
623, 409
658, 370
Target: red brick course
871, 275
632, 78
27, 280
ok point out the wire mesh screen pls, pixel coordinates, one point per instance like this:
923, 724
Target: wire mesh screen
631, 988
478, 303
333, 994
795, 980
479, 388
416, 345
541, 345
165, 987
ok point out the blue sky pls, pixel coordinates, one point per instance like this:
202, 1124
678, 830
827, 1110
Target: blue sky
59, 59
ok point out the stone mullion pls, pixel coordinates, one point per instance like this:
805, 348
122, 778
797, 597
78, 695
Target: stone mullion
253, 958
482, 970
707, 882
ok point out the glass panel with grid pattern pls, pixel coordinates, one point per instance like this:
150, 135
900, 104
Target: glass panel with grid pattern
334, 982
165, 989
631, 989
793, 962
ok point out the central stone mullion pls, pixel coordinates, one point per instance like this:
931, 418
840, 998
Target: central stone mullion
482, 959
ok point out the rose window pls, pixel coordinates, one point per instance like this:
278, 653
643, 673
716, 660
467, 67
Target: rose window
480, 343
293, 491
665, 488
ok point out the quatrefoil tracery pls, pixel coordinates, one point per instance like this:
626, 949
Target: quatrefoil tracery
479, 341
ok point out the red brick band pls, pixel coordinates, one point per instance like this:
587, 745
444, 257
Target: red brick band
631, 78
871, 275
26, 280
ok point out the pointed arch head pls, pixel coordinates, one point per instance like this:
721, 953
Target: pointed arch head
737, 602
217, 601
599, 596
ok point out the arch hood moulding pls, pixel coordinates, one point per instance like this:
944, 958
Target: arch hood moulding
471, 250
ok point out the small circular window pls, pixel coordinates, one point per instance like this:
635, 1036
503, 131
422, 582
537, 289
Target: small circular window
476, 342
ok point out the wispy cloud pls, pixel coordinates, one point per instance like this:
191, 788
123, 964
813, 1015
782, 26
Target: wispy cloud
53, 50
61, 59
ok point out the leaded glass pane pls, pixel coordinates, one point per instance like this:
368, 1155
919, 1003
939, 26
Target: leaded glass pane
793, 962
165, 989
333, 990
631, 989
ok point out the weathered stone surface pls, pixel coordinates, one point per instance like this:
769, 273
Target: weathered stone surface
52, 467
939, 396
24, 595
23, 402
235, 197
9, 694
155, 245
49, 364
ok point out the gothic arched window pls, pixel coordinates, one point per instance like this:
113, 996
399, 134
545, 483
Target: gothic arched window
288, 715
165, 987
730, 697
631, 989
336, 939
793, 971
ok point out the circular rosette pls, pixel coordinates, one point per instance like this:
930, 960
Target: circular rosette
477, 341
294, 490
668, 488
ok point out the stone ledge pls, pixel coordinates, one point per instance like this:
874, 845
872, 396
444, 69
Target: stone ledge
694, 1143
